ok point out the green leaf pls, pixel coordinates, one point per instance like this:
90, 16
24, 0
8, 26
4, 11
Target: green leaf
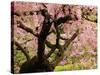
92, 18
64, 68
77, 67
68, 67
59, 68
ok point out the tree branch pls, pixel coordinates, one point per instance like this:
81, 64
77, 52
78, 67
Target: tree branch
24, 26
63, 38
26, 41
63, 48
43, 34
56, 23
62, 20
52, 50
49, 44
22, 49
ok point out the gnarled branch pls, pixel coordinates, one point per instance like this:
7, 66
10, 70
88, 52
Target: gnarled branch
22, 49
24, 26
63, 48
56, 24
49, 44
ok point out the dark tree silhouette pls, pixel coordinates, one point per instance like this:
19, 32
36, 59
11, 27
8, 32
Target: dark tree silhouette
40, 63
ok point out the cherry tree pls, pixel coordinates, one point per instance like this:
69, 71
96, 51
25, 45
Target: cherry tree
33, 26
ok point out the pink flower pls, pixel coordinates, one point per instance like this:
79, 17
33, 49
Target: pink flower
83, 60
91, 52
81, 52
74, 52
63, 62
77, 52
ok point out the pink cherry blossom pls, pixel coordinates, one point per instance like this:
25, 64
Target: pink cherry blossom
62, 62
